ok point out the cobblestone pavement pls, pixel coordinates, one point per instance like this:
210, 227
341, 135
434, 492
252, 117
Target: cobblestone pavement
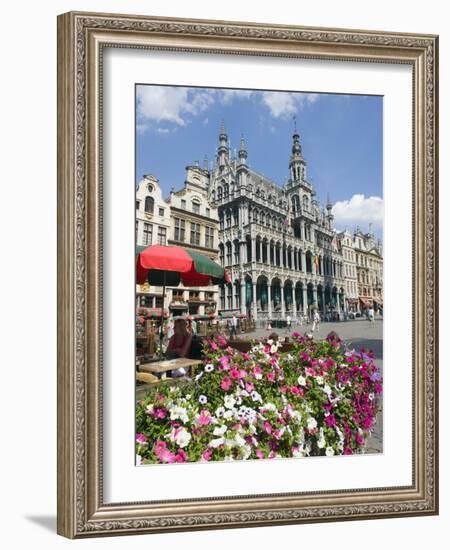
357, 333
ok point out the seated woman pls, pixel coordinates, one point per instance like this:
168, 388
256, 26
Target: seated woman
179, 344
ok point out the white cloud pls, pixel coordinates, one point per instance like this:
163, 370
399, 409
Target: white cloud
359, 210
285, 104
227, 96
171, 104
163, 130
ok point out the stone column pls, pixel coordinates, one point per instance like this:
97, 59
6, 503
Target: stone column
315, 295
269, 299
323, 300
243, 253
254, 303
303, 255
243, 290
305, 300
283, 311
253, 249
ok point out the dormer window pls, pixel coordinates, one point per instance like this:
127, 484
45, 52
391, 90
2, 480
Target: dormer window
149, 205
195, 207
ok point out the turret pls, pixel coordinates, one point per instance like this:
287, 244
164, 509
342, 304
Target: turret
297, 164
242, 169
330, 216
223, 151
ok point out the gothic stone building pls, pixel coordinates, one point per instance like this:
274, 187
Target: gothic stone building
277, 242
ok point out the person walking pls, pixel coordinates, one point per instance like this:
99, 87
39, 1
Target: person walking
233, 327
316, 321
288, 322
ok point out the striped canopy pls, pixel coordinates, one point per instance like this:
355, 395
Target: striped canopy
168, 265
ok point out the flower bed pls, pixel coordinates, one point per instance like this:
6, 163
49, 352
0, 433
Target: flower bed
319, 399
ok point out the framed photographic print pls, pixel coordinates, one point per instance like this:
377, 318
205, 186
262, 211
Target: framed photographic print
247, 283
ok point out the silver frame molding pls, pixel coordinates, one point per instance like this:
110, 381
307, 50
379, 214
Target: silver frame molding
81, 38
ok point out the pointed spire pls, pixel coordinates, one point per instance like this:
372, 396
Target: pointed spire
242, 151
223, 150
329, 205
223, 132
295, 125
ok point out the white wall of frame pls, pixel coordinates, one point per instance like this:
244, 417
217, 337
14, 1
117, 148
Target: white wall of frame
28, 229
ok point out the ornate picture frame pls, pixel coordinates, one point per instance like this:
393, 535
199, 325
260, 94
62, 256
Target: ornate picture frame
82, 37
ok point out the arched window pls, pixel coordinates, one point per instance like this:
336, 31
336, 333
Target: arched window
195, 207
149, 204
305, 202
226, 191
219, 193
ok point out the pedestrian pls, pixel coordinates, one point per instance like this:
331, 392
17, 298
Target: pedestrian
288, 322
233, 326
316, 321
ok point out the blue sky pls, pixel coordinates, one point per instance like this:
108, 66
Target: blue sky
341, 138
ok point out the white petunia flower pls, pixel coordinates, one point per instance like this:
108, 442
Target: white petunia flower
256, 396
301, 381
180, 436
149, 409
319, 380
327, 389
216, 442
229, 401
203, 399
138, 460
329, 451
220, 412
209, 368
239, 440
177, 412
220, 430
312, 423
321, 441
228, 415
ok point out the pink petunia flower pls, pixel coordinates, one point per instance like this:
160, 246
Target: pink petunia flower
234, 373
204, 418
141, 439
181, 456
270, 376
226, 383
206, 455
267, 427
